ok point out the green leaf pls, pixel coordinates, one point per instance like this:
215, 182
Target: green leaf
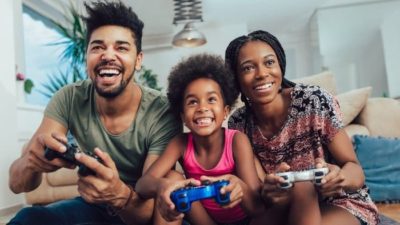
28, 85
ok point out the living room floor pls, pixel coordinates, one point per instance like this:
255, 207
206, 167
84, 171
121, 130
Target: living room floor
390, 210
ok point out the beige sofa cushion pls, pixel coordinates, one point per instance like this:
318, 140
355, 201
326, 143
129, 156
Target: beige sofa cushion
352, 102
353, 129
381, 116
325, 80
62, 177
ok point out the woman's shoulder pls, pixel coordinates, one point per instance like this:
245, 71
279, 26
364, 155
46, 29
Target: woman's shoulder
237, 118
311, 95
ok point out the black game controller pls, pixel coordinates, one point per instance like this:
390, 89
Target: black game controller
69, 156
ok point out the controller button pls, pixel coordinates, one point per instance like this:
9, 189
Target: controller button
318, 180
183, 205
285, 177
285, 184
182, 195
319, 173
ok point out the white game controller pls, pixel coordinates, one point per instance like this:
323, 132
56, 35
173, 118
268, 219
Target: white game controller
314, 175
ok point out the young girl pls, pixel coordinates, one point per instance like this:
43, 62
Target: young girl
201, 91
292, 127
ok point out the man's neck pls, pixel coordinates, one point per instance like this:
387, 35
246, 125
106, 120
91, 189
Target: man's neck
127, 102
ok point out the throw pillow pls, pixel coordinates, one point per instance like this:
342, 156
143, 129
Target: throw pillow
325, 80
379, 158
352, 102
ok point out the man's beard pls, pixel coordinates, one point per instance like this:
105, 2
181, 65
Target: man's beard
115, 91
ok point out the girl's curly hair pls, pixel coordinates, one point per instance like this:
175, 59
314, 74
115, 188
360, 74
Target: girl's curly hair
200, 66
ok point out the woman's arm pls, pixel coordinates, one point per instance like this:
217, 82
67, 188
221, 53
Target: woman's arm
348, 174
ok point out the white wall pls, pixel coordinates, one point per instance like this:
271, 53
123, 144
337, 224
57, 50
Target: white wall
352, 47
161, 60
391, 45
371, 66
8, 117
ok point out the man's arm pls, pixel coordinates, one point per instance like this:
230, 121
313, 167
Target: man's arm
26, 172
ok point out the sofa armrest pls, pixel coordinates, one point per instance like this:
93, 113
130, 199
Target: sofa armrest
55, 186
381, 116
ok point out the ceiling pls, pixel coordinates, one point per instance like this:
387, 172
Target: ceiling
276, 16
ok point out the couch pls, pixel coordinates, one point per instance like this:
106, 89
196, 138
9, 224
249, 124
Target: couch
361, 115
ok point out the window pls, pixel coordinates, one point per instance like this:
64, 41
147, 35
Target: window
41, 58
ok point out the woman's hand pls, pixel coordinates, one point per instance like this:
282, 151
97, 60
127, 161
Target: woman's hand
333, 183
271, 191
164, 203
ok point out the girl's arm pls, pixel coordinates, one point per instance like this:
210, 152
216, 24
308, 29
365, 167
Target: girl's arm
348, 174
148, 185
246, 170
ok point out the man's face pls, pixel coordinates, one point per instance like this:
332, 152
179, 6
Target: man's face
112, 59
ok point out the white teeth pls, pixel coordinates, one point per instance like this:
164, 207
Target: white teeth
109, 72
203, 121
265, 86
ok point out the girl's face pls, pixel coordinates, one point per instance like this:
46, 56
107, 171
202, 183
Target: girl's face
204, 109
259, 74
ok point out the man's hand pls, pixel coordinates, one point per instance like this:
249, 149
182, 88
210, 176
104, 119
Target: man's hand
271, 191
105, 186
34, 154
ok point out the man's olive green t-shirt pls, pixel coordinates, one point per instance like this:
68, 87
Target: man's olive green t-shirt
74, 107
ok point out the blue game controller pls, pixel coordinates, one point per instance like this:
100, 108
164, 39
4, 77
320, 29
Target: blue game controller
184, 197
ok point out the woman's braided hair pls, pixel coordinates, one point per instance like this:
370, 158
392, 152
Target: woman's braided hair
231, 60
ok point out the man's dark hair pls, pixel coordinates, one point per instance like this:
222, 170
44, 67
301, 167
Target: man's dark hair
195, 67
103, 13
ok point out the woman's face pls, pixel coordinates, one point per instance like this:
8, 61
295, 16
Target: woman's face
259, 74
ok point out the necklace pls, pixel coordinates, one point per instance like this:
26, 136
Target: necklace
261, 133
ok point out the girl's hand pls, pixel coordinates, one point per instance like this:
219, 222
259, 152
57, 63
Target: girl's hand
333, 183
164, 203
235, 188
271, 192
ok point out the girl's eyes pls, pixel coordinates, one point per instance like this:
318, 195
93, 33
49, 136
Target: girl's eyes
191, 102
212, 99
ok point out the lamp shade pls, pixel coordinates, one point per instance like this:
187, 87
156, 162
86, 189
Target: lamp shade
189, 37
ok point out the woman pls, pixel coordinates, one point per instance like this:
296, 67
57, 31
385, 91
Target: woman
292, 127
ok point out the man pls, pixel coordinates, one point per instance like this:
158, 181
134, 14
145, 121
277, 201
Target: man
126, 125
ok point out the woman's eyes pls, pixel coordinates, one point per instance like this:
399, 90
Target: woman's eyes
269, 62
247, 68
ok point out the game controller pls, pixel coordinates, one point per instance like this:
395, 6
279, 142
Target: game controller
314, 175
184, 197
69, 156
